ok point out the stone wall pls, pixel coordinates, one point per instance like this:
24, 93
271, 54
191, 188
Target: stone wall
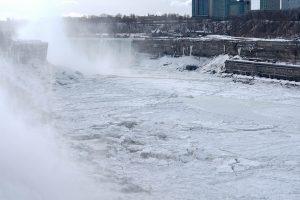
268, 70
206, 47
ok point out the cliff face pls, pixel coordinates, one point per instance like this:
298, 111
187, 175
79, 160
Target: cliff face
285, 24
261, 49
267, 24
265, 29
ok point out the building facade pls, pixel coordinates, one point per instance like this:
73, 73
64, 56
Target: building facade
200, 8
290, 4
220, 9
238, 8
269, 4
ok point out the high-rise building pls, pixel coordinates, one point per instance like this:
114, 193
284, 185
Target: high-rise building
269, 4
247, 5
290, 4
238, 8
220, 9
195, 8
200, 8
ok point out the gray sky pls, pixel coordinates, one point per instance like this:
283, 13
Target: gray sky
38, 8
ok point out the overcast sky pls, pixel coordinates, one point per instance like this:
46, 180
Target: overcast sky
37, 8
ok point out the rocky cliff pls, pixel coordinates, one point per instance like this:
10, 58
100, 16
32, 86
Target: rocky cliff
263, 24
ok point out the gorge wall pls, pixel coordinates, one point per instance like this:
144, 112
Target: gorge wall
272, 50
261, 24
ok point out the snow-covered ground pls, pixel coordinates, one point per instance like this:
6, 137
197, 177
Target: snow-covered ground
157, 132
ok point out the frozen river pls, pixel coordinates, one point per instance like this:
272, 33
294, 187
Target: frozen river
146, 129
159, 133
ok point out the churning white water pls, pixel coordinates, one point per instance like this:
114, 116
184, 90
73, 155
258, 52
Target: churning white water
34, 163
